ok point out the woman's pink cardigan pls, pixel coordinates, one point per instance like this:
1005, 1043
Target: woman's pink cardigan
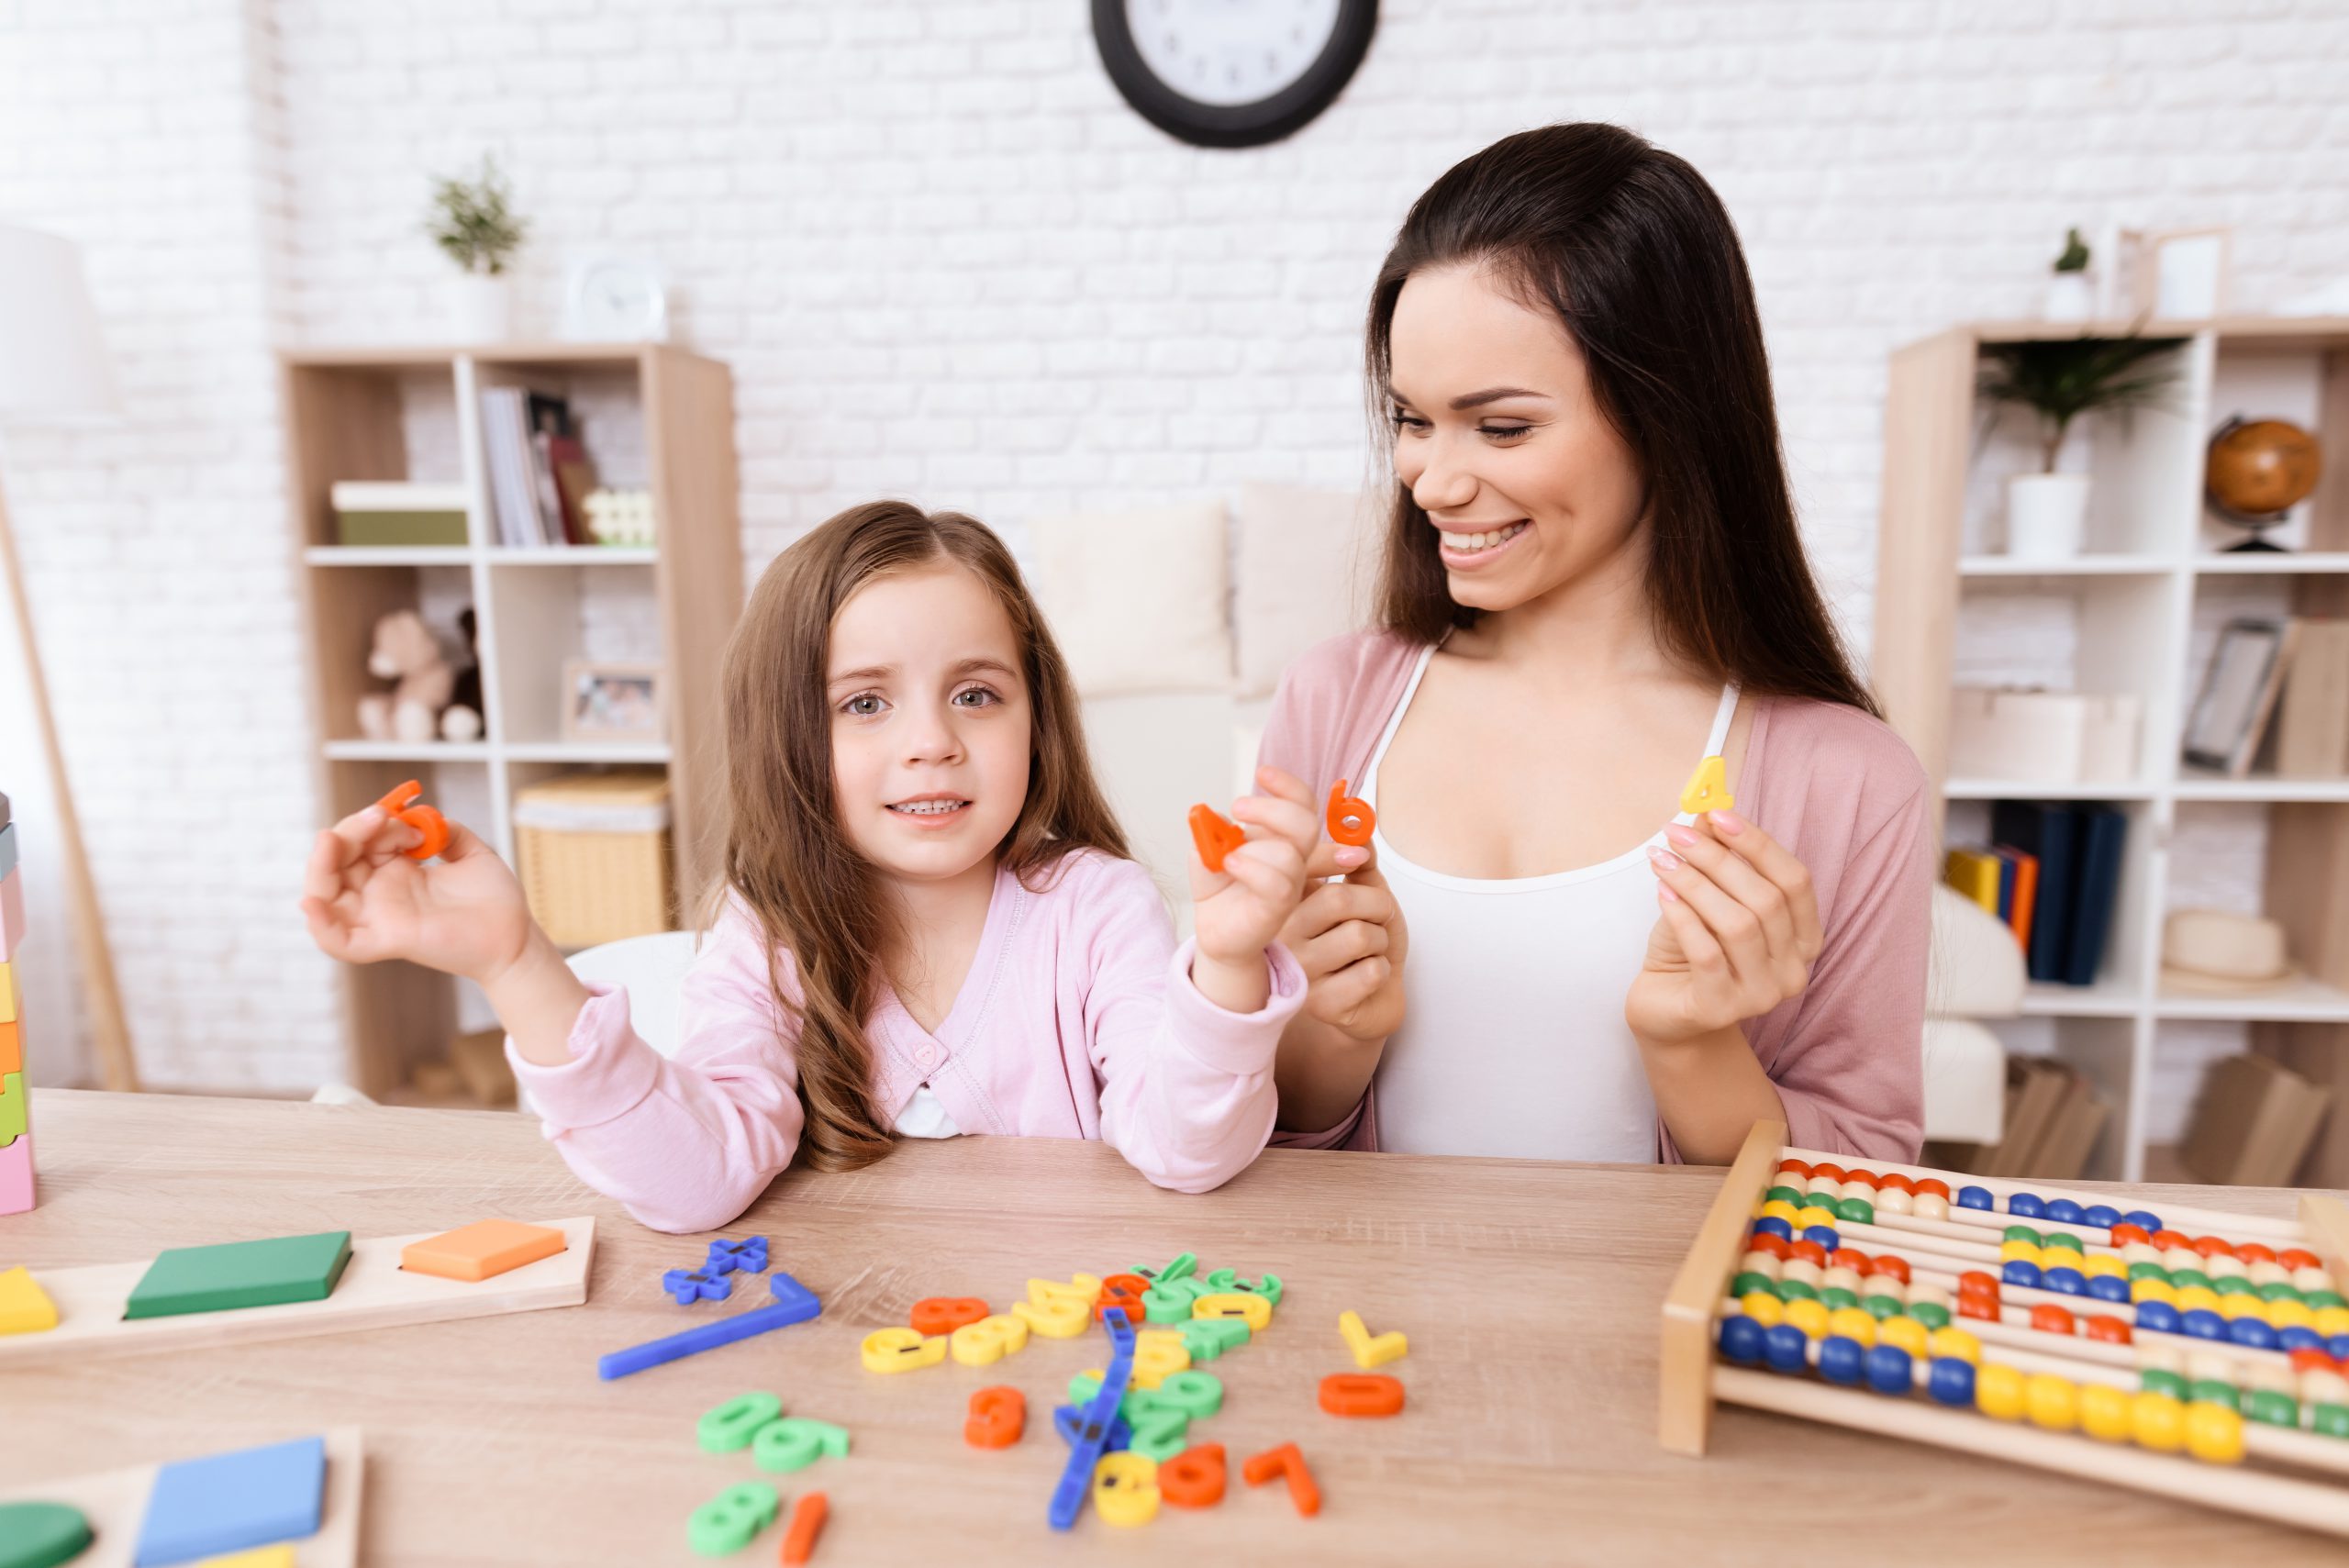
1838, 788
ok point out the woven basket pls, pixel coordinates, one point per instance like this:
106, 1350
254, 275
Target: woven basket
595, 854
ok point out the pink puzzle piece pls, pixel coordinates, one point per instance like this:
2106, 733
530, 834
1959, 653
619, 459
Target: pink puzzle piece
16, 1175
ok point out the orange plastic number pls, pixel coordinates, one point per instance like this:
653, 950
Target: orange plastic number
1285, 1460
997, 1418
1214, 837
1361, 1394
1349, 821
423, 818
1193, 1478
944, 1314
1121, 1290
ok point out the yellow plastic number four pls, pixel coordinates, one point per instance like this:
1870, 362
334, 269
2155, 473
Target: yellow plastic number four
1708, 789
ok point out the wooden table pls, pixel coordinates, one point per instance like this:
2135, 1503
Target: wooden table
1531, 1292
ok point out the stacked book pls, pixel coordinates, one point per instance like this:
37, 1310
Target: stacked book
2050, 872
2052, 1122
539, 472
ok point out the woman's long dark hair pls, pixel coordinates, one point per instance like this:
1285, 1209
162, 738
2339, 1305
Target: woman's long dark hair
1629, 247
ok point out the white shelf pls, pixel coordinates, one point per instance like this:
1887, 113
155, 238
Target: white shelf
2267, 564
2014, 789
2296, 1001
407, 752
2259, 789
576, 555
2077, 566
387, 555
585, 751
2105, 999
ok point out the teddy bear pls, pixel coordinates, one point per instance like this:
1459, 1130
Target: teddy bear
422, 704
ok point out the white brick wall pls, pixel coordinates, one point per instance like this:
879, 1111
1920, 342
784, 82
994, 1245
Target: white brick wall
946, 261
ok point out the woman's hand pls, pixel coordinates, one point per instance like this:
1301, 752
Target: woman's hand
365, 901
1238, 912
1349, 938
1737, 933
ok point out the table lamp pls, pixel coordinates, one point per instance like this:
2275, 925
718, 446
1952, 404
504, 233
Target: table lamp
53, 371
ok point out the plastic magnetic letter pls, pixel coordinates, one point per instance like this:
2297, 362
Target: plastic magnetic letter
1213, 837
1707, 788
1349, 821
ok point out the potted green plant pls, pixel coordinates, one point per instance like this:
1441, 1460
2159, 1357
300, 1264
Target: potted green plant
2058, 381
2069, 297
474, 222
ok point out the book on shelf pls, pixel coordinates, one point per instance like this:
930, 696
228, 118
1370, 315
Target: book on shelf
2050, 873
539, 472
2053, 1119
2253, 1123
2313, 714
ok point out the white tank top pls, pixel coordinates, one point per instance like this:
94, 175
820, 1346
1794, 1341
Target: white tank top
1513, 1041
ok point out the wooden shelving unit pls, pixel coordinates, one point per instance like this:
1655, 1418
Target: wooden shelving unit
2143, 597
654, 416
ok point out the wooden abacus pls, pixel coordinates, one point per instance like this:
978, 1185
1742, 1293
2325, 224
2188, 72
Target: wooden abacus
2049, 1377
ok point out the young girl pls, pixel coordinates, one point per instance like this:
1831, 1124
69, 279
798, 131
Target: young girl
929, 923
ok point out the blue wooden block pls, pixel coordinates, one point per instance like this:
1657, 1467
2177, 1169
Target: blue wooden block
1077, 1478
7, 847
793, 1304
234, 1502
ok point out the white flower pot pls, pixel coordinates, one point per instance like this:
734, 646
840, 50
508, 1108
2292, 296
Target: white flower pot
2069, 298
480, 308
2046, 516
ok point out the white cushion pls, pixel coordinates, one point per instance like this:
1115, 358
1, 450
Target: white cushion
1965, 1083
1974, 968
1137, 599
1157, 755
1306, 563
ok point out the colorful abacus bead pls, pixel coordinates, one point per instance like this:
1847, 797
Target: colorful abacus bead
1890, 1370
2026, 1205
1976, 1198
1950, 1380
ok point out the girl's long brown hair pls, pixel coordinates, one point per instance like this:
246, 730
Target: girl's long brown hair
1634, 254
786, 855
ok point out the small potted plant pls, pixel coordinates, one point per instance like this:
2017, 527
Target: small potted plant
2069, 297
472, 221
2059, 380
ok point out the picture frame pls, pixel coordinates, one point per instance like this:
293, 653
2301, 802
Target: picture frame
2238, 693
613, 700
2180, 275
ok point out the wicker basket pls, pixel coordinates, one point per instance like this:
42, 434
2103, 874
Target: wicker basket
595, 854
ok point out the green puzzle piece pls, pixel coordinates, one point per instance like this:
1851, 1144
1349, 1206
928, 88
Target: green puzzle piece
42, 1535
12, 1107
241, 1273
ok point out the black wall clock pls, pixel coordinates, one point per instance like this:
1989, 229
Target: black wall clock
1232, 72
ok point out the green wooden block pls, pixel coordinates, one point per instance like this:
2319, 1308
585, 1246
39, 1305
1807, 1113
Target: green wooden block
241, 1273
12, 1107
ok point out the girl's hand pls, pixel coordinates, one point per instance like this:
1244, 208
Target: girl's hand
1349, 938
365, 901
1239, 911
1738, 934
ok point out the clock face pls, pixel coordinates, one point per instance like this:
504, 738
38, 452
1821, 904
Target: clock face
1230, 51
616, 299
1232, 72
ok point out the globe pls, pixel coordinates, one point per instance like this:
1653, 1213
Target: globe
2258, 469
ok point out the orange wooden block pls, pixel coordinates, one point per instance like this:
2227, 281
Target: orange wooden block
12, 1048
482, 1250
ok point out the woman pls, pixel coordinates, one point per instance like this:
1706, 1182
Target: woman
1592, 580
